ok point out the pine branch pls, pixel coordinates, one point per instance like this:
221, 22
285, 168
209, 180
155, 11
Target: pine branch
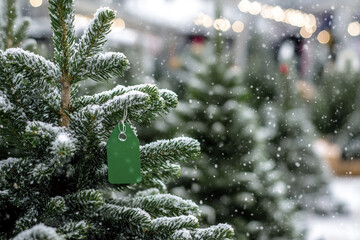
161, 205
75, 230
9, 162
164, 151
87, 200
12, 120
183, 234
43, 172
220, 231
5, 104
21, 31
47, 138
170, 99
163, 173
137, 220
63, 146
41, 101
32, 65
167, 225
39, 231
102, 67
28, 219
11, 35
92, 40
9, 27
55, 206
103, 97
101, 119
62, 19
162, 156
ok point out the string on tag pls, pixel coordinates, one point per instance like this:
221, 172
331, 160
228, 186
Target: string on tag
122, 127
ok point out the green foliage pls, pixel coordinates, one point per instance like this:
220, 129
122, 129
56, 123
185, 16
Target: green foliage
234, 177
336, 98
260, 72
55, 188
62, 24
12, 33
38, 232
31, 65
158, 205
75, 230
291, 133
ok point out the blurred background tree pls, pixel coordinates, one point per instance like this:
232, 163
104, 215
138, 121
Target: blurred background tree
281, 99
234, 180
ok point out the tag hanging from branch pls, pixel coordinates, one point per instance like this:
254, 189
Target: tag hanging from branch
123, 154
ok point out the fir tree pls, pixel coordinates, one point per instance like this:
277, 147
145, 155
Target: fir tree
291, 132
336, 110
12, 34
335, 100
57, 188
234, 176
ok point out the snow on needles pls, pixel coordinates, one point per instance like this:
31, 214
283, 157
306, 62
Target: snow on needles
8, 162
5, 104
63, 145
39, 231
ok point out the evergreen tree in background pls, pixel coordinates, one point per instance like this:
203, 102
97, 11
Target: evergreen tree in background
335, 100
57, 188
291, 132
336, 110
259, 71
12, 34
234, 178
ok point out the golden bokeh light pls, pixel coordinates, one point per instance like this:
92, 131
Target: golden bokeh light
208, 22
323, 37
354, 29
255, 8
119, 24
266, 11
278, 14
199, 19
311, 29
290, 16
204, 20
304, 33
238, 26
244, 5
36, 3
222, 24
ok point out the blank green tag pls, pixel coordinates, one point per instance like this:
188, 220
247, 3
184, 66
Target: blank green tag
123, 157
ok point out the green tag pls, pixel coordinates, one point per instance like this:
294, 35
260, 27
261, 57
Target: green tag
123, 156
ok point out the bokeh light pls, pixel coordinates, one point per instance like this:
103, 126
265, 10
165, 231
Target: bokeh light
354, 29
323, 37
238, 26
36, 3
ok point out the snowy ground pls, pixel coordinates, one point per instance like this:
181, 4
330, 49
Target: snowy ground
339, 227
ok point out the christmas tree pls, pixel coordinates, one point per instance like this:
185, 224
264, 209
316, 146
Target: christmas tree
12, 30
335, 100
259, 71
336, 110
57, 188
12, 34
291, 132
234, 179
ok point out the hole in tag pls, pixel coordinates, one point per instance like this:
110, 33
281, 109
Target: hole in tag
122, 137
